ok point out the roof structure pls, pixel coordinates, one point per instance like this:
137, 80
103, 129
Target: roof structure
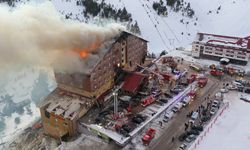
96, 56
132, 82
230, 41
66, 104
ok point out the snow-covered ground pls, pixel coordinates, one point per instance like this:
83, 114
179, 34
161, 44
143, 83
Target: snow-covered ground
231, 20
19, 98
231, 131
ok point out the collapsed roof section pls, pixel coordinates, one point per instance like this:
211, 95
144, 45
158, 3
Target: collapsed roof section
67, 105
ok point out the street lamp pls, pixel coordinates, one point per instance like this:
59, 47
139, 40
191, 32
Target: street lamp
115, 94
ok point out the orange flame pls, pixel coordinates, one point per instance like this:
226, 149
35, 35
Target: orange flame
84, 53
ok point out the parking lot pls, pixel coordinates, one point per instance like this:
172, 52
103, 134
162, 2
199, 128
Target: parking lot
176, 110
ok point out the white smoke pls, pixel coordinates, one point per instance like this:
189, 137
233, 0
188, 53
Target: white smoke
38, 34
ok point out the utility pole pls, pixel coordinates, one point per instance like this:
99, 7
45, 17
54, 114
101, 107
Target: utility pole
115, 94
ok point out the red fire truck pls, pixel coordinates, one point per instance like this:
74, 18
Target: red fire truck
192, 78
202, 82
147, 138
217, 73
148, 100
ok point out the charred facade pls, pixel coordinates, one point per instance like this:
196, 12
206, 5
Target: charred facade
126, 51
76, 93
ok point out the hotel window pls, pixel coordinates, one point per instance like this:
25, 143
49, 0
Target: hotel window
241, 53
218, 53
241, 57
208, 52
219, 49
229, 55
230, 51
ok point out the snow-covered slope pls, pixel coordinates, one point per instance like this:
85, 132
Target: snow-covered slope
169, 32
18, 98
163, 33
232, 19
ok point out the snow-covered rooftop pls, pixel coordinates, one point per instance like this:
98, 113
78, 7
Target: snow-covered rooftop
221, 40
66, 104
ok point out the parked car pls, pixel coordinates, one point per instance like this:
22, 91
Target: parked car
224, 90
177, 107
197, 127
245, 98
176, 90
216, 104
169, 115
138, 119
195, 132
127, 128
167, 95
183, 84
240, 89
141, 116
190, 138
213, 110
237, 84
232, 87
182, 137
164, 100
124, 132
194, 117
186, 100
247, 90
183, 146
205, 118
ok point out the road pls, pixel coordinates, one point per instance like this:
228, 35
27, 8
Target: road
164, 142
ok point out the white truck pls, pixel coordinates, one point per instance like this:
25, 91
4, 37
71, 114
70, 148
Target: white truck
194, 117
177, 107
169, 115
186, 100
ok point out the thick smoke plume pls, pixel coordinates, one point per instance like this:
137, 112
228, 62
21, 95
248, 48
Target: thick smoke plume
38, 34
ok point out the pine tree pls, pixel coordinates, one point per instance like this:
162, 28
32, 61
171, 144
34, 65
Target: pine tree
163, 53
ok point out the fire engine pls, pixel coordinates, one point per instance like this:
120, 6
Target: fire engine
216, 72
147, 138
148, 100
192, 78
202, 82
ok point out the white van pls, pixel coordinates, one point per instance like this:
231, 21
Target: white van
177, 107
169, 115
237, 84
186, 100
194, 116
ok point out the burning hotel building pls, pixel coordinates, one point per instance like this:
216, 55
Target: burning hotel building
76, 93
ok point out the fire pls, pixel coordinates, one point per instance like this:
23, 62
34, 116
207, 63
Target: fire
84, 54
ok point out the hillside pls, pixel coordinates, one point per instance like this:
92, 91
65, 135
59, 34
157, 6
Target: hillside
164, 32
231, 19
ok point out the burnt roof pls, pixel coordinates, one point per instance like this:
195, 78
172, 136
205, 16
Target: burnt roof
107, 45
